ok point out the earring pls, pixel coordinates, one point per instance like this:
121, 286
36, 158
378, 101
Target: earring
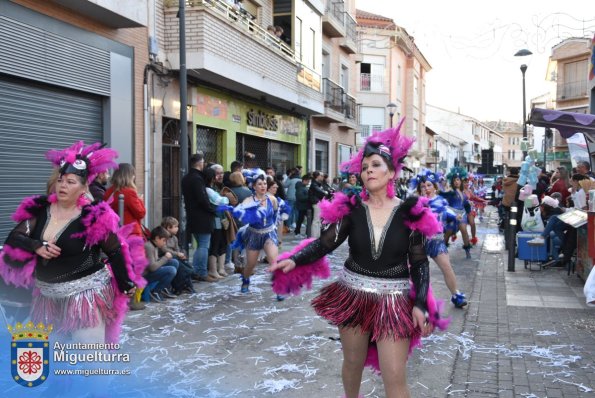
390, 189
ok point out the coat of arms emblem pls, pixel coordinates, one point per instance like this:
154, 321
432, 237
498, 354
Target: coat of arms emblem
30, 353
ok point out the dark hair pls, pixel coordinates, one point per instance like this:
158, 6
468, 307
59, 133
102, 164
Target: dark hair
234, 165
159, 232
196, 158
579, 177
209, 176
513, 171
584, 163
270, 182
306, 177
315, 174
259, 177
423, 181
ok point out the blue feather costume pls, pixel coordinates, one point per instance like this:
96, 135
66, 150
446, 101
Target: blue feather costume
260, 225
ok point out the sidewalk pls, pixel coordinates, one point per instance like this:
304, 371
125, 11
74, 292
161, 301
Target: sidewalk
526, 333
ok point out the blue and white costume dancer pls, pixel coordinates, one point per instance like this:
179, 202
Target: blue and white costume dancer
260, 224
435, 247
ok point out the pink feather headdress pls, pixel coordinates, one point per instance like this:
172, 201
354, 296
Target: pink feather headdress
390, 139
86, 161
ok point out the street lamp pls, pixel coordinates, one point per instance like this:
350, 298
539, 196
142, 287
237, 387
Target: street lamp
524, 53
392, 108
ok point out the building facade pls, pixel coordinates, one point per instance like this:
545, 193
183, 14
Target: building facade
392, 71
460, 140
70, 71
332, 139
248, 90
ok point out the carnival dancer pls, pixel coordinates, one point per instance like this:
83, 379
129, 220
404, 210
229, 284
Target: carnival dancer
481, 191
459, 203
259, 213
370, 303
56, 247
426, 184
476, 203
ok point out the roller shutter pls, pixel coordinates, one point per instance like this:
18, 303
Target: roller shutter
35, 117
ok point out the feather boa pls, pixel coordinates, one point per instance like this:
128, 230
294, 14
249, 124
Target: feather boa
17, 266
293, 281
419, 217
30, 207
332, 211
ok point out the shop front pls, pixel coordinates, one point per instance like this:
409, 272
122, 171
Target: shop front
226, 128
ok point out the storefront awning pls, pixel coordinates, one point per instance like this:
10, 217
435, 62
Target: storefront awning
567, 123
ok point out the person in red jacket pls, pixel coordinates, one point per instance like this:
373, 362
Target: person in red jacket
123, 182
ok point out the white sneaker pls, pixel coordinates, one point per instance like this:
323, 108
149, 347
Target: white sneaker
536, 241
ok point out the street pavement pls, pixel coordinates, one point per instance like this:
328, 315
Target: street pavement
523, 334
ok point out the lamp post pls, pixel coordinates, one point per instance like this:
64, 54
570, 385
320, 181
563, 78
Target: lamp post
524, 53
392, 108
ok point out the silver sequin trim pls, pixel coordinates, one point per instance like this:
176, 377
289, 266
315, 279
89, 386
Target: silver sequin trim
374, 285
266, 230
376, 253
96, 280
393, 272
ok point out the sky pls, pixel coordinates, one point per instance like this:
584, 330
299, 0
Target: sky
470, 46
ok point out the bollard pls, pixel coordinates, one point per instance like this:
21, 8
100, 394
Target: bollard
121, 208
511, 238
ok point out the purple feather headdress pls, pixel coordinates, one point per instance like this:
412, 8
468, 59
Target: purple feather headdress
390, 139
85, 161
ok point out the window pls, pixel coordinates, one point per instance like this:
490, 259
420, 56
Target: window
345, 77
344, 154
416, 102
372, 74
321, 155
371, 119
298, 40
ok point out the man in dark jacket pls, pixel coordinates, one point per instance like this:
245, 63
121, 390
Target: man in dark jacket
302, 203
200, 215
97, 187
316, 194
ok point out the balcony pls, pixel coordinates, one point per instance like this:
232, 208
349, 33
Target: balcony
573, 90
371, 83
229, 49
333, 20
339, 107
349, 42
115, 14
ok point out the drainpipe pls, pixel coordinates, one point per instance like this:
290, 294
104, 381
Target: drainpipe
147, 165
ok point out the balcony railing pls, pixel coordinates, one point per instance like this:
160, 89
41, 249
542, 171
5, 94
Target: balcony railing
337, 9
350, 26
350, 107
572, 90
333, 95
369, 82
244, 20
338, 100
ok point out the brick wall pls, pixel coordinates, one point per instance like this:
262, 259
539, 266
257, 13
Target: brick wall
134, 37
207, 31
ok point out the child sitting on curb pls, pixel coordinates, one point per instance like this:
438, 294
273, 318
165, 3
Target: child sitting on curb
161, 269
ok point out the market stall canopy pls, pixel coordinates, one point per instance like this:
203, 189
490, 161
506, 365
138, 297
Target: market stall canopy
567, 123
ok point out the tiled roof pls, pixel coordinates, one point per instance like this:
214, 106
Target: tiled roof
369, 15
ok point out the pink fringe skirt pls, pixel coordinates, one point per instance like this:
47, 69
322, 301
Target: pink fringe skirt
379, 306
76, 304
